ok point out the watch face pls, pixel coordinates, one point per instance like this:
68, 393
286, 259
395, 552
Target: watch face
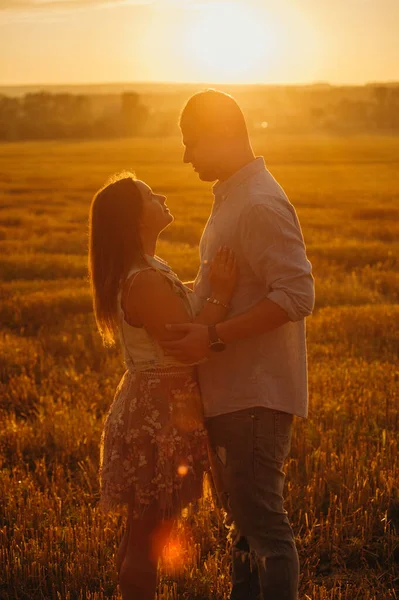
218, 346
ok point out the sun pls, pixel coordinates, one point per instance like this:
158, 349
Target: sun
230, 42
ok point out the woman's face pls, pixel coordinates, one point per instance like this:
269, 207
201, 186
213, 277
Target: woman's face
155, 215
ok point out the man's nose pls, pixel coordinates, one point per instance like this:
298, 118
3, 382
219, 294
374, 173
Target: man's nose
186, 157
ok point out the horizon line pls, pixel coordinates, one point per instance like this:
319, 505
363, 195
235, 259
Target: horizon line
207, 83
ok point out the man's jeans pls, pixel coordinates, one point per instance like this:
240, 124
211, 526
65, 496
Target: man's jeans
247, 450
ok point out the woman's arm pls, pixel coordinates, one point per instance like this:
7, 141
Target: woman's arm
153, 302
211, 314
222, 277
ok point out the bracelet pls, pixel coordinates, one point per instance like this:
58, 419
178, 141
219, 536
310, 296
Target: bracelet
214, 301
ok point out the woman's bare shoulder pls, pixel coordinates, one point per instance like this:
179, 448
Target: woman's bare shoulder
140, 279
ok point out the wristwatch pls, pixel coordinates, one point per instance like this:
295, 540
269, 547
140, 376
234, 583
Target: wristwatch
215, 343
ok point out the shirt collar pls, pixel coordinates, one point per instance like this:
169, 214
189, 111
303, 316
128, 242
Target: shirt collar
222, 188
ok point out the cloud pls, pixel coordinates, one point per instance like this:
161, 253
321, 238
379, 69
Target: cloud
50, 4
12, 11
14, 5
25, 11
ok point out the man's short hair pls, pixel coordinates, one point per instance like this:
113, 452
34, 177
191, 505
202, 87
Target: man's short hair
215, 112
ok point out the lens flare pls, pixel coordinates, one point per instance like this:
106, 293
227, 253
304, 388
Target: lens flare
173, 555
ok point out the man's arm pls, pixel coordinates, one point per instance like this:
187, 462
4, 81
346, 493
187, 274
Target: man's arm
263, 317
272, 243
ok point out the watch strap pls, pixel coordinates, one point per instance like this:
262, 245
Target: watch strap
213, 336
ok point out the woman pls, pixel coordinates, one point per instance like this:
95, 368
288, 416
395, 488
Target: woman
153, 446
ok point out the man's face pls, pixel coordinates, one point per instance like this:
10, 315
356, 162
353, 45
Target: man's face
204, 152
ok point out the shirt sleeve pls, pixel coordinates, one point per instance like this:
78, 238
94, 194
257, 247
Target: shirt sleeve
272, 243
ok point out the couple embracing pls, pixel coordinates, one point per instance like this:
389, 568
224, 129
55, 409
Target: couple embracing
216, 368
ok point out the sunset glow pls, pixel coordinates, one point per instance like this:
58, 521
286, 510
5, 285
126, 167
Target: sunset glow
229, 41
226, 41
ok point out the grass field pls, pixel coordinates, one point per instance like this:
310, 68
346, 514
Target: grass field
57, 381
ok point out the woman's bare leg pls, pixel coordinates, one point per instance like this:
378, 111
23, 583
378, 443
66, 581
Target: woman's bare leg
145, 542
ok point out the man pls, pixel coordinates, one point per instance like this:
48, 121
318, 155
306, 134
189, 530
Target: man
256, 377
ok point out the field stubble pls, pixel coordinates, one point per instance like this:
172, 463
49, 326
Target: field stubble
57, 381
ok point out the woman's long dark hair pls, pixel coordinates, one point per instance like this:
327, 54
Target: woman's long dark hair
114, 246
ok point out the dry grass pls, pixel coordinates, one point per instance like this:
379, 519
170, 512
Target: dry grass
57, 381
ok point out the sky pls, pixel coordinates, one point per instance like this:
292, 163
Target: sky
213, 41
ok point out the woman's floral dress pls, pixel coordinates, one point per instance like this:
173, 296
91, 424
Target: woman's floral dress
154, 444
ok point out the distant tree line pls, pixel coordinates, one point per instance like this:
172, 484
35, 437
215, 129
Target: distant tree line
377, 113
368, 109
45, 115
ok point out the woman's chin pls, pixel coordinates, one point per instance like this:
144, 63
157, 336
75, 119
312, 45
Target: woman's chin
169, 219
